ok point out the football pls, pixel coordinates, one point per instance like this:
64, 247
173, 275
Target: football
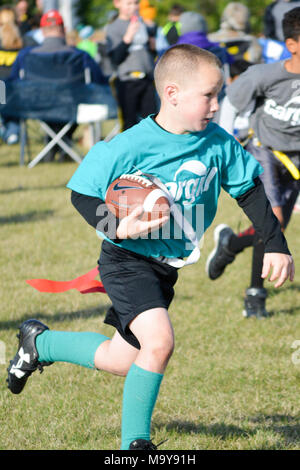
129, 191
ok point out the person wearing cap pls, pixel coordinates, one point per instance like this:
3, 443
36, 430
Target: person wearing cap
52, 26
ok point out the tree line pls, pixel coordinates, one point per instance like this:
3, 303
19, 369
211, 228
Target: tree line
95, 12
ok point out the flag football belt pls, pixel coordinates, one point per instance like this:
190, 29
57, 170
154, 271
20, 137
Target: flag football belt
137, 75
282, 157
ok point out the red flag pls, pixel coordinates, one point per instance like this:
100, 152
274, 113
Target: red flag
85, 284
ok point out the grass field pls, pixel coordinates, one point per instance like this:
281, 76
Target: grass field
231, 383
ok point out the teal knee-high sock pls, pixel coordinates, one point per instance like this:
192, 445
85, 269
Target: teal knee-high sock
76, 348
139, 397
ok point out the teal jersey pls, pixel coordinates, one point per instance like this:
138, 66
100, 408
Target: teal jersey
194, 167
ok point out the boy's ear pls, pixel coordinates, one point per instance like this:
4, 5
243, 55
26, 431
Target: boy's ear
171, 92
291, 45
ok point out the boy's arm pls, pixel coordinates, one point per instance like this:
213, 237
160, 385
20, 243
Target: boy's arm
277, 255
96, 213
228, 115
258, 208
252, 80
119, 52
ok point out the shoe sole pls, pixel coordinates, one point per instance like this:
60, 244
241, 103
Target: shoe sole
14, 384
217, 232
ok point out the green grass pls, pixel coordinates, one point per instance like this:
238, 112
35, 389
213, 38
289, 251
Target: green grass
231, 383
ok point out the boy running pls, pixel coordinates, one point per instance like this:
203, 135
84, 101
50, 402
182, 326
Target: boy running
194, 158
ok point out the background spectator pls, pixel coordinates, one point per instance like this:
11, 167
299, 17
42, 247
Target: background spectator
72, 38
193, 27
273, 45
234, 33
239, 124
21, 9
10, 41
148, 14
273, 17
172, 28
128, 48
86, 42
10, 44
35, 35
52, 26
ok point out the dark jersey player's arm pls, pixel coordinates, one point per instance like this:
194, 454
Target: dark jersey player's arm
257, 207
97, 214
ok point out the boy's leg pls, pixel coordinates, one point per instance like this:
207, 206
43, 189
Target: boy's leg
227, 246
127, 95
115, 356
141, 290
222, 254
38, 347
287, 210
154, 331
148, 99
255, 298
87, 349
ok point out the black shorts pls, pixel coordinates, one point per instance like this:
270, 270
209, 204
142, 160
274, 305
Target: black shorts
134, 284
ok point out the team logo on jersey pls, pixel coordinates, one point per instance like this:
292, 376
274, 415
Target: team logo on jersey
288, 112
191, 180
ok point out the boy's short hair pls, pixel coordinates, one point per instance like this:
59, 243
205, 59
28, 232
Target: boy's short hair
179, 62
291, 24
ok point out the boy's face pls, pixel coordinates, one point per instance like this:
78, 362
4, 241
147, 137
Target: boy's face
197, 99
127, 8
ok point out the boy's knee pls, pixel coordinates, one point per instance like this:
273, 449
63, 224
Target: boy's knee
163, 349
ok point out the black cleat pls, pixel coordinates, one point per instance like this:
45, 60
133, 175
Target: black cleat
26, 360
255, 303
142, 444
221, 255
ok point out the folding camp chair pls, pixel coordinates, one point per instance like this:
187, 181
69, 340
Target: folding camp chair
56, 88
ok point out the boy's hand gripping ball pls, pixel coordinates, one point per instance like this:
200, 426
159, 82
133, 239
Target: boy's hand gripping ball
130, 191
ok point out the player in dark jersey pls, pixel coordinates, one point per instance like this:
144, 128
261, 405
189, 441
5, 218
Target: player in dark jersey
275, 143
